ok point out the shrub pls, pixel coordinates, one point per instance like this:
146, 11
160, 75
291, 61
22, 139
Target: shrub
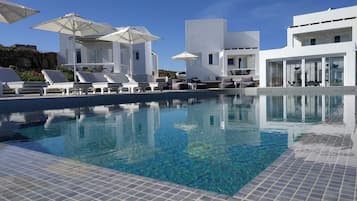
30, 76
68, 73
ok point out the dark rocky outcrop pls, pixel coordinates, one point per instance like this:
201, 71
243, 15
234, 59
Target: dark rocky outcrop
27, 57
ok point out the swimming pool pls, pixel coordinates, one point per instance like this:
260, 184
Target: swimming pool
217, 144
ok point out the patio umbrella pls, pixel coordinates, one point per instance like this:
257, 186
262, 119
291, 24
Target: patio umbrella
131, 36
11, 12
74, 25
186, 56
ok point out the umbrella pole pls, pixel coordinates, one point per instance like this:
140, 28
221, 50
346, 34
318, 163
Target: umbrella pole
131, 60
74, 57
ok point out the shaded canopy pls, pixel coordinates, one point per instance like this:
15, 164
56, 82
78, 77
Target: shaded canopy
11, 12
130, 35
185, 56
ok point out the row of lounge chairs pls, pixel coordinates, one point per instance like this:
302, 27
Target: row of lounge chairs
55, 79
108, 82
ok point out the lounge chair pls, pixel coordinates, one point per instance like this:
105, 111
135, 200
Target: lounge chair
146, 81
98, 81
121, 78
57, 80
179, 84
10, 80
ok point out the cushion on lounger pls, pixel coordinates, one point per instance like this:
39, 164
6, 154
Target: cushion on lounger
117, 78
54, 76
91, 77
8, 75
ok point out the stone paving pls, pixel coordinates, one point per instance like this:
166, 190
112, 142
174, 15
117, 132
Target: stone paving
318, 167
29, 175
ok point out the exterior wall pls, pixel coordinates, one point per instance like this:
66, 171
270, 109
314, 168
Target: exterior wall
322, 26
112, 56
248, 39
210, 36
326, 15
205, 37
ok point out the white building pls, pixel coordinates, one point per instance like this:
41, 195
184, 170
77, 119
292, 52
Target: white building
320, 51
112, 56
221, 53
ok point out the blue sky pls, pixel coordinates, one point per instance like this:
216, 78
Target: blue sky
165, 18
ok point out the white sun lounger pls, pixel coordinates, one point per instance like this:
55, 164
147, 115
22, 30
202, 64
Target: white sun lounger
98, 81
125, 80
57, 80
10, 80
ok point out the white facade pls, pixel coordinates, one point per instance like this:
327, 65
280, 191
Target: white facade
112, 56
320, 51
221, 53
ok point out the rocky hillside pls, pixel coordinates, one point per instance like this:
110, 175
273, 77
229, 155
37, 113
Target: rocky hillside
26, 57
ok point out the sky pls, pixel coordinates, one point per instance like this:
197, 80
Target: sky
166, 19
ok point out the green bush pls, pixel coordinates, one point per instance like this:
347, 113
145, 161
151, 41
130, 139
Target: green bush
30, 76
68, 73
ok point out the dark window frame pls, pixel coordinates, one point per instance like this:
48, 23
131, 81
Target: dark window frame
137, 55
210, 59
337, 39
78, 56
230, 61
313, 41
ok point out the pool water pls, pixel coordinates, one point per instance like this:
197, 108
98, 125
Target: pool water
214, 144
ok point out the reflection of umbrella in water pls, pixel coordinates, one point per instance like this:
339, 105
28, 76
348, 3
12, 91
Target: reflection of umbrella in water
185, 127
199, 150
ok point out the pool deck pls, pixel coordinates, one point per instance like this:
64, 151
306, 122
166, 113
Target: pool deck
32, 102
318, 167
30, 175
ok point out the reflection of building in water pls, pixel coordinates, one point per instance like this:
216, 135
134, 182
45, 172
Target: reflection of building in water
308, 114
103, 131
13, 121
220, 123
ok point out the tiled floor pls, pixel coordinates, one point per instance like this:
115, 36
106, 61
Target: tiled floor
319, 167
29, 175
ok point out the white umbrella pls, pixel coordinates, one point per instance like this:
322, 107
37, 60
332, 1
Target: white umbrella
11, 12
130, 35
186, 56
76, 26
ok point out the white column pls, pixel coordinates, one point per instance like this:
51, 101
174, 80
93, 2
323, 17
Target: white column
285, 116
303, 72
284, 74
303, 108
116, 57
323, 108
323, 66
156, 65
224, 72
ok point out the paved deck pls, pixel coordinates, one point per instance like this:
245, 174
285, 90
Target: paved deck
29, 175
319, 167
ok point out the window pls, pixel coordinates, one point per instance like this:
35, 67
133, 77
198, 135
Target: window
210, 59
313, 41
211, 120
78, 56
337, 39
231, 61
137, 56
